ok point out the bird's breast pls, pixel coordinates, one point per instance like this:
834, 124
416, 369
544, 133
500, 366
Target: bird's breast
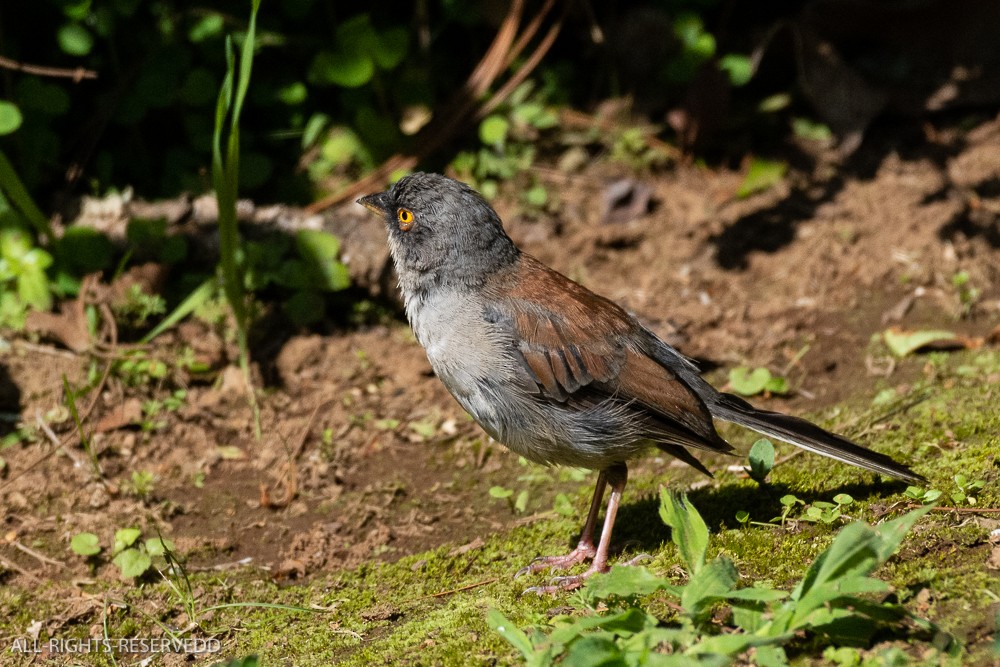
463, 348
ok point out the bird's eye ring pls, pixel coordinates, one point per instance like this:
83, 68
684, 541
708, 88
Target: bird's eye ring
405, 217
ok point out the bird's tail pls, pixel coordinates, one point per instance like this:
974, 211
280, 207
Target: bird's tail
806, 435
786, 428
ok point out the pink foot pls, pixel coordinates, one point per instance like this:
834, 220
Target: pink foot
562, 584
582, 553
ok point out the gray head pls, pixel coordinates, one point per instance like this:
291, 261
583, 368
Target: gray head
441, 230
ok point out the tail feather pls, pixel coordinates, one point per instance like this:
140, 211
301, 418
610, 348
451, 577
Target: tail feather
793, 430
808, 436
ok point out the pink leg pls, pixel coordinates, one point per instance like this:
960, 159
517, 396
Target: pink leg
617, 476
585, 550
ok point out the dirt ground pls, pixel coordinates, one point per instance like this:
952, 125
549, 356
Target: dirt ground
365, 456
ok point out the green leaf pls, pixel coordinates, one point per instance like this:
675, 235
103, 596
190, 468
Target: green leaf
347, 70
510, 632
762, 175
761, 459
74, 39
776, 385
901, 343
125, 538
85, 544
775, 102
158, 547
206, 27
294, 93
393, 45
521, 503
712, 582
749, 383
688, 529
891, 533
537, 196
13, 189
493, 130
10, 117
593, 651
500, 492
738, 67
626, 582
811, 130
132, 563
563, 506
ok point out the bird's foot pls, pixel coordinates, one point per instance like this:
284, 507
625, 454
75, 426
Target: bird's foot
582, 553
563, 584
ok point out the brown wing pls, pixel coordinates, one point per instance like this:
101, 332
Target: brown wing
578, 347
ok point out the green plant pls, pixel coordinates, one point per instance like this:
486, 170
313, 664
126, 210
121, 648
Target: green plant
131, 556
925, 496
788, 502
761, 459
225, 180
748, 382
965, 493
968, 295
307, 268
137, 368
762, 175
138, 306
85, 544
142, 483
152, 409
24, 284
508, 140
85, 440
518, 504
716, 621
823, 512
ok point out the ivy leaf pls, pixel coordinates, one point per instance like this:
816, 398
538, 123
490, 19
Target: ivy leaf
125, 538
85, 544
132, 563
761, 460
75, 40
749, 383
10, 117
493, 130
347, 70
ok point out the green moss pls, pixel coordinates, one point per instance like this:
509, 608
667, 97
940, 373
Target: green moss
402, 612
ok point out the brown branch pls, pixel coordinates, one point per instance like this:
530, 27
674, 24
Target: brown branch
529, 32
78, 74
522, 73
467, 587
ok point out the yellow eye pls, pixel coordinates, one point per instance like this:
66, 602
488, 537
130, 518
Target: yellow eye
405, 217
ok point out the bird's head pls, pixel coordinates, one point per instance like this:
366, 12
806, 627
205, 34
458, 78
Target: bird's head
440, 226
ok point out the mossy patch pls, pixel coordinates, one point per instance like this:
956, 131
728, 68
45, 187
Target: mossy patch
430, 608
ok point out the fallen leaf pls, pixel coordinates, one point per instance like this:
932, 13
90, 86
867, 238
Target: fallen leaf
123, 414
68, 325
466, 548
901, 342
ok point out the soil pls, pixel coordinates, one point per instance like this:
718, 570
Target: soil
363, 454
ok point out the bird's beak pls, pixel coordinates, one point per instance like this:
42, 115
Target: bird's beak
376, 202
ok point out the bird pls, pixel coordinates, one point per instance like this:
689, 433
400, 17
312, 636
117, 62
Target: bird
553, 371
